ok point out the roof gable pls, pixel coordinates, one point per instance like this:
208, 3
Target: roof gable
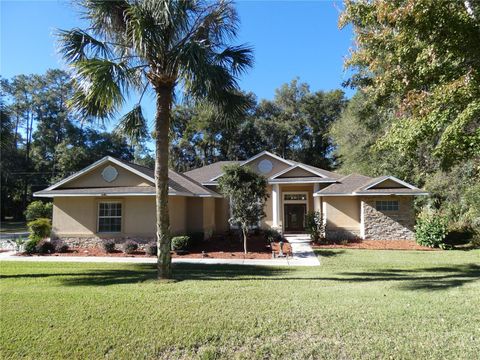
91, 176
298, 171
387, 182
129, 177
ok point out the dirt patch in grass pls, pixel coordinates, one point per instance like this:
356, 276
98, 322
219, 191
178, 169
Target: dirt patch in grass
375, 245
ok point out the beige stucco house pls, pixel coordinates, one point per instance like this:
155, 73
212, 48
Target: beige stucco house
116, 199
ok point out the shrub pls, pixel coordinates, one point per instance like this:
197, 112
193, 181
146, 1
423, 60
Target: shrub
40, 229
108, 246
129, 247
272, 235
431, 228
45, 247
180, 243
314, 225
38, 209
31, 246
60, 246
151, 249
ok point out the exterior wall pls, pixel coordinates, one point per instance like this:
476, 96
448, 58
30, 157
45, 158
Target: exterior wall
75, 219
194, 215
267, 221
342, 216
222, 214
94, 179
208, 217
389, 225
277, 165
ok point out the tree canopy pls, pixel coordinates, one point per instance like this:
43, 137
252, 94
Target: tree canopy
421, 60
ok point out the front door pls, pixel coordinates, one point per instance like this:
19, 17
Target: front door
295, 217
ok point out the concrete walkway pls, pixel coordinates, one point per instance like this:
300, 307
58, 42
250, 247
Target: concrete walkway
302, 251
303, 255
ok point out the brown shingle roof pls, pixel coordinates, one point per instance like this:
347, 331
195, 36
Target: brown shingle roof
346, 184
208, 172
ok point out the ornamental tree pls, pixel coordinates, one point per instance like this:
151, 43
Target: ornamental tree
247, 192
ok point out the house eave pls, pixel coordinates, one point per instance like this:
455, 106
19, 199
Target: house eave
100, 194
318, 194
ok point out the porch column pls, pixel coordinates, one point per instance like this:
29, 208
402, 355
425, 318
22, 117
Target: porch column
317, 203
275, 205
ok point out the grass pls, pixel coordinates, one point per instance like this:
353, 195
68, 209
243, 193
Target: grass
358, 304
7, 227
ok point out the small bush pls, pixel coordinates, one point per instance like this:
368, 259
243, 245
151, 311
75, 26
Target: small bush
108, 246
431, 229
45, 247
40, 229
60, 246
272, 235
38, 209
180, 243
31, 246
314, 225
151, 249
129, 247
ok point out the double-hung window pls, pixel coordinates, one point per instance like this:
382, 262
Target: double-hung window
110, 217
389, 205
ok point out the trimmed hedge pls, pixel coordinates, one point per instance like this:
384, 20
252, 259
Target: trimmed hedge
45, 247
180, 243
40, 229
108, 246
129, 247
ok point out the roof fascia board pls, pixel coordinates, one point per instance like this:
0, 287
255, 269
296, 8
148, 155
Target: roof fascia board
372, 194
280, 181
94, 166
122, 194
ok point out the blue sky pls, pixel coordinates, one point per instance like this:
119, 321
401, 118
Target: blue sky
290, 39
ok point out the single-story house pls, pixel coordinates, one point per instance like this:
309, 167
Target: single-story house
116, 199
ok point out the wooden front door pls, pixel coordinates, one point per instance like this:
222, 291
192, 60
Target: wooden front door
295, 217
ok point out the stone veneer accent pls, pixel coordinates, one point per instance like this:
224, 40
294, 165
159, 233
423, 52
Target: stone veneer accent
389, 225
88, 242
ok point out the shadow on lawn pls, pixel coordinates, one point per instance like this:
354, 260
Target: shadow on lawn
429, 279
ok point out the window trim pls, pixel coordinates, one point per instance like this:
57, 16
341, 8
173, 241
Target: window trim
121, 216
387, 205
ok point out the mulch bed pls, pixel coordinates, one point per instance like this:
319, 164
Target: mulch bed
232, 248
219, 248
375, 245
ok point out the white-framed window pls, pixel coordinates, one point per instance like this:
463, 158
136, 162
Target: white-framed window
109, 217
387, 205
295, 196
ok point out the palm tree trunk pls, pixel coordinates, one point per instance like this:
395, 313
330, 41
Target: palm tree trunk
162, 125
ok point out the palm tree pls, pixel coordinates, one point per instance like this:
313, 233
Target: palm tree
133, 46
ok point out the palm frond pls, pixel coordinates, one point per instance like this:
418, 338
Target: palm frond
107, 17
100, 87
76, 44
133, 125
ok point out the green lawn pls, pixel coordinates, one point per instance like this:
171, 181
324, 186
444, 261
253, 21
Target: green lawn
358, 304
